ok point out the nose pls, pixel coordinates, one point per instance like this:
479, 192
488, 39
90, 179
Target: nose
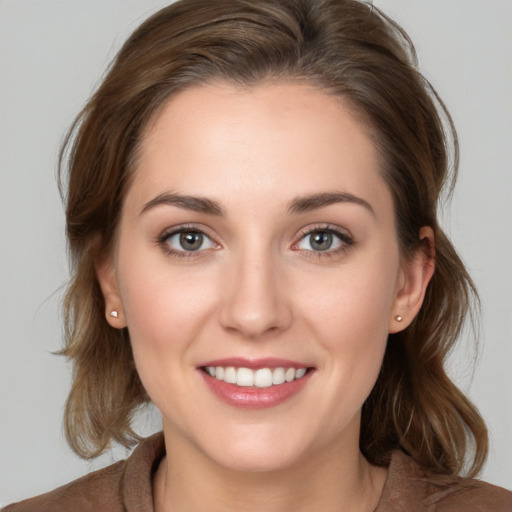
254, 300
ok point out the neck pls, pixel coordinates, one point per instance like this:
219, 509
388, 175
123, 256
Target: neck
335, 480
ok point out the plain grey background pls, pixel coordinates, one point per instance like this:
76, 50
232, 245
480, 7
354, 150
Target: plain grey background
52, 55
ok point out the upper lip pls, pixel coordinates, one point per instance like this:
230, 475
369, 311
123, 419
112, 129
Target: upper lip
265, 362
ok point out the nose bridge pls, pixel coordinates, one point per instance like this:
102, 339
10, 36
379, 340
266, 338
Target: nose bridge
254, 301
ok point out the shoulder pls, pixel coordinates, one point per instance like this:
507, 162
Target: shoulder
471, 496
410, 487
124, 485
96, 491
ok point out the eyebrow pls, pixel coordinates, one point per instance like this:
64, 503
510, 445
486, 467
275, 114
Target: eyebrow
300, 204
193, 203
315, 201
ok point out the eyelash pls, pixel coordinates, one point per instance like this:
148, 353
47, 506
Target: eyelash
345, 239
164, 237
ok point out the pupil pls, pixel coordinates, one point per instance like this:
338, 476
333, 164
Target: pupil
321, 241
191, 241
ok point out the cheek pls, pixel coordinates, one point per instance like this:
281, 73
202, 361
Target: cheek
164, 306
349, 316
165, 312
352, 304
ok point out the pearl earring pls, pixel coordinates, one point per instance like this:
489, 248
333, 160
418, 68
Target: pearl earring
398, 318
114, 314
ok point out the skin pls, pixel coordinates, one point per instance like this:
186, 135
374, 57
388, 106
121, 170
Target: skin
257, 288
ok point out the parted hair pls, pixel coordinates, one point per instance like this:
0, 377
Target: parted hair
347, 48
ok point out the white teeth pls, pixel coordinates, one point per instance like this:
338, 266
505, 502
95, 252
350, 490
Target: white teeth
289, 374
244, 377
263, 378
260, 378
300, 373
278, 376
230, 375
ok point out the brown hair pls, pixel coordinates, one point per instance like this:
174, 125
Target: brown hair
347, 48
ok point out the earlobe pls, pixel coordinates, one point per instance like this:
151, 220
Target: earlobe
105, 272
415, 276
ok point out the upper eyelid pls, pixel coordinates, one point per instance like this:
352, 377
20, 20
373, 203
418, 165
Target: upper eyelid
345, 237
343, 232
167, 234
185, 227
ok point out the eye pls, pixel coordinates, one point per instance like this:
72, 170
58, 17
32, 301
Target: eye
187, 240
324, 240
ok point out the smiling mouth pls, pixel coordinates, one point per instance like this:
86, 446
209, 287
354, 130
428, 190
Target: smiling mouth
257, 378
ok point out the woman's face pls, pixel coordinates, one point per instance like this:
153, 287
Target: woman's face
257, 236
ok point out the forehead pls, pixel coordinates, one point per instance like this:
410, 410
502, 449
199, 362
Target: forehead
224, 141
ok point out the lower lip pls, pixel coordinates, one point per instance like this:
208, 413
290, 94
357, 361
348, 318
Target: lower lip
253, 397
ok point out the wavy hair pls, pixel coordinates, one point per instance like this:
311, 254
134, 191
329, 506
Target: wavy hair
347, 48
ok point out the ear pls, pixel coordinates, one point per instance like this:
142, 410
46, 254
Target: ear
106, 274
414, 277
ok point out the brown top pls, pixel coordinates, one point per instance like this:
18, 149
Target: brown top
127, 487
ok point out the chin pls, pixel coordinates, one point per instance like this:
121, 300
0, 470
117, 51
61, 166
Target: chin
257, 460
260, 450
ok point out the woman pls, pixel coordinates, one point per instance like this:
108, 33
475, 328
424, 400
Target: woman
251, 212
